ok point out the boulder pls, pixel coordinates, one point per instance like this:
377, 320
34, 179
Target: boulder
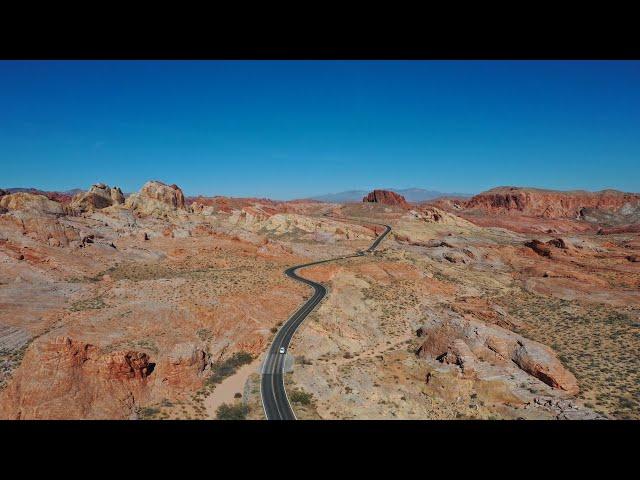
539, 247
558, 243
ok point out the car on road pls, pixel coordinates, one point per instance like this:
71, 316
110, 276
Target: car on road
281, 349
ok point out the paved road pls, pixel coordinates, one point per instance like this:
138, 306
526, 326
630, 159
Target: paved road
274, 396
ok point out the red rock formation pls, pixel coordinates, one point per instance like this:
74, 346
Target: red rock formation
547, 203
65, 378
539, 247
185, 366
386, 198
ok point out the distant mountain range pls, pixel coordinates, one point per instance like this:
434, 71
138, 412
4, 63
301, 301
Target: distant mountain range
410, 194
35, 190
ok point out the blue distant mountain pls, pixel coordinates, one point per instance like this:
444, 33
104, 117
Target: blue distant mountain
410, 194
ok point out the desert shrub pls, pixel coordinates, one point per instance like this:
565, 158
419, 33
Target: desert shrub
147, 413
301, 397
238, 411
90, 304
204, 334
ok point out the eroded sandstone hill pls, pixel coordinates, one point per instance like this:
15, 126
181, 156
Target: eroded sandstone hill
548, 203
530, 209
99, 196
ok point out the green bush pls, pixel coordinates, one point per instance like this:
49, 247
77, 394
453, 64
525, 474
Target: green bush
303, 398
238, 411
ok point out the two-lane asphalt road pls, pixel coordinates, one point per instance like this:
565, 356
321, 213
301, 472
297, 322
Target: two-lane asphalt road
274, 396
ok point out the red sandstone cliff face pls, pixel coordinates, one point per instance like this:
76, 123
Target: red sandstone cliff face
65, 378
547, 203
386, 198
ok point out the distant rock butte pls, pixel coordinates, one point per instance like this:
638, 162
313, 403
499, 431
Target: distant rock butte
386, 197
547, 203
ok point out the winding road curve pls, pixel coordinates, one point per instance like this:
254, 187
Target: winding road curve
274, 396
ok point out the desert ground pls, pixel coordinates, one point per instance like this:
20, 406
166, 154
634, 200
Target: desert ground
515, 304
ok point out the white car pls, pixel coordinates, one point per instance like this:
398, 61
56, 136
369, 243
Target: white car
281, 349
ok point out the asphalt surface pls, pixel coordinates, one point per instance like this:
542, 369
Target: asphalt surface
274, 396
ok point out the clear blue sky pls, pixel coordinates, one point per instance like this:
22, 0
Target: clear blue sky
292, 129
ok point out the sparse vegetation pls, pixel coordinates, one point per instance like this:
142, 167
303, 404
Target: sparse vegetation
89, 304
301, 397
148, 413
238, 411
601, 362
204, 334
226, 368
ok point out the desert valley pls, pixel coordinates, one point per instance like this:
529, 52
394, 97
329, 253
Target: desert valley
516, 303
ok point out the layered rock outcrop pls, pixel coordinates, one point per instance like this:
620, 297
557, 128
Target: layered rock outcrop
157, 198
549, 203
473, 345
386, 197
98, 197
43, 228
